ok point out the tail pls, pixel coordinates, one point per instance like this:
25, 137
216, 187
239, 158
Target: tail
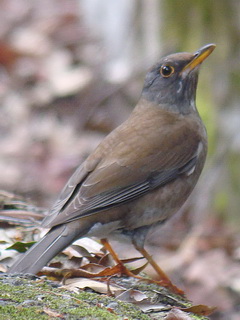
56, 240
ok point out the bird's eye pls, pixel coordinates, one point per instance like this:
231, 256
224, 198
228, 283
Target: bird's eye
166, 71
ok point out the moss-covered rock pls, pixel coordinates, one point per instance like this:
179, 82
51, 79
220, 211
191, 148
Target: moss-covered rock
29, 297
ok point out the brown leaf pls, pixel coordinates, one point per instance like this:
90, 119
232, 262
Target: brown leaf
98, 286
110, 271
132, 295
8, 55
200, 310
105, 260
140, 269
129, 260
88, 244
52, 313
176, 314
69, 273
93, 267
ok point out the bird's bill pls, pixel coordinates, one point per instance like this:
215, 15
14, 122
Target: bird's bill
198, 57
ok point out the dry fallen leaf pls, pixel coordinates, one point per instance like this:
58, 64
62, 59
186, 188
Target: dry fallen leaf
132, 295
52, 313
98, 286
200, 310
176, 314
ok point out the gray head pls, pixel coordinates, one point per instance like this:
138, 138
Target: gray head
172, 82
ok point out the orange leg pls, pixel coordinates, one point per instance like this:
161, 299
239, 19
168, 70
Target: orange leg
109, 248
165, 281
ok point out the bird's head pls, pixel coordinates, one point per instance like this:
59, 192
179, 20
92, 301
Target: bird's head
172, 82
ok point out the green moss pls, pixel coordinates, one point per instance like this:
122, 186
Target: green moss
33, 299
193, 316
24, 298
12, 312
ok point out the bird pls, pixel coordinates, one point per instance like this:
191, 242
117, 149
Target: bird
141, 173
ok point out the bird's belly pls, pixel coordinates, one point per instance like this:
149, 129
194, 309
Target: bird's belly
103, 230
153, 208
160, 204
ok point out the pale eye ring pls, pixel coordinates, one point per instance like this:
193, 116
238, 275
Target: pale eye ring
166, 71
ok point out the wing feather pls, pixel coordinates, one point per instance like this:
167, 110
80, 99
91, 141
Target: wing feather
124, 174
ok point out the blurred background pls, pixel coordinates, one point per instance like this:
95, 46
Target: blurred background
71, 71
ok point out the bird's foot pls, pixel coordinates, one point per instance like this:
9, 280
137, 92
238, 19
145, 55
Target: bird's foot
164, 280
124, 271
168, 285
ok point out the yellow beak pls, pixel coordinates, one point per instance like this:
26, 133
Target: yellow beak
199, 57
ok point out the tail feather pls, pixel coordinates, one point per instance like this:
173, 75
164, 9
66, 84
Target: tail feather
56, 240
